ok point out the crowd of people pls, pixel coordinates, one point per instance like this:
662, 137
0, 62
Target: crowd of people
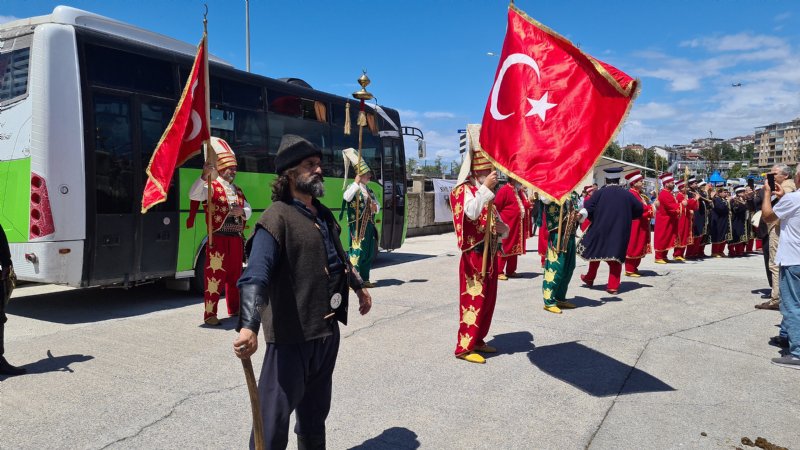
296, 244
690, 214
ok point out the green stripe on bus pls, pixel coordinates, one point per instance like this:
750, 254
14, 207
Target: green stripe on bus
15, 203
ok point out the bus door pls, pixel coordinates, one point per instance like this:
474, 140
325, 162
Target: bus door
127, 246
394, 188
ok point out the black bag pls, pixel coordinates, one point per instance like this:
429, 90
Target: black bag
8, 286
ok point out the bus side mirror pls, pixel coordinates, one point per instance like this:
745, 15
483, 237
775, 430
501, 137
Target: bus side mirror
421, 148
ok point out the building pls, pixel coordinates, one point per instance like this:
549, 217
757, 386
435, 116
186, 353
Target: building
778, 143
739, 142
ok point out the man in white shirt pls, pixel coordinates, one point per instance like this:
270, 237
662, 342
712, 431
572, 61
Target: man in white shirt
787, 210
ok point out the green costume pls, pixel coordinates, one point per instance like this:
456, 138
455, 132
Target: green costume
559, 265
363, 235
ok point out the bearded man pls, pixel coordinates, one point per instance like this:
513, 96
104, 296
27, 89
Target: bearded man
295, 287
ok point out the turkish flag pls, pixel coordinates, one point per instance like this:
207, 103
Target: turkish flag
552, 110
184, 135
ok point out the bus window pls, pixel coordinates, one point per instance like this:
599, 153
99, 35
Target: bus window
14, 74
291, 114
128, 71
113, 159
243, 95
246, 132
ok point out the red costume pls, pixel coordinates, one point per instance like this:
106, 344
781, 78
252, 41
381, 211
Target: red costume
685, 223
515, 210
223, 263
544, 235
666, 230
477, 295
587, 194
639, 243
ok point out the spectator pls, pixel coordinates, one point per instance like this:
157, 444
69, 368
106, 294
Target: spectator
786, 213
782, 174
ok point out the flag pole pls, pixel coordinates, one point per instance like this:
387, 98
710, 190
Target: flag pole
362, 95
206, 144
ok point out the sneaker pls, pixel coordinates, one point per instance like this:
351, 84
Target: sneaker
779, 341
790, 361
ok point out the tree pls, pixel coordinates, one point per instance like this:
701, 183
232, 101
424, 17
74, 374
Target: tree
737, 171
411, 165
613, 151
712, 156
728, 153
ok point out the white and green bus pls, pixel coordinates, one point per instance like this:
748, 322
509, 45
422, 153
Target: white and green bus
84, 100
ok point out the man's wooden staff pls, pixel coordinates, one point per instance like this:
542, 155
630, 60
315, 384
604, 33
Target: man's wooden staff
252, 389
487, 238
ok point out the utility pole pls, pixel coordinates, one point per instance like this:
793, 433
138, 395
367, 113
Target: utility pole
247, 34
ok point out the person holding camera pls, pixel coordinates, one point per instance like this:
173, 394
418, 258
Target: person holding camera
780, 173
786, 214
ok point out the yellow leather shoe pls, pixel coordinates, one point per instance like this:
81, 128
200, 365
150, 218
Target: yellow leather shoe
563, 304
660, 261
553, 309
679, 258
632, 274
213, 321
472, 357
502, 276
485, 348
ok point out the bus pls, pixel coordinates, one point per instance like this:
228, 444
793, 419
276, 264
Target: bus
84, 100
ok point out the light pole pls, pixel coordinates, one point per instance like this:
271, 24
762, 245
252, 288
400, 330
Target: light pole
247, 34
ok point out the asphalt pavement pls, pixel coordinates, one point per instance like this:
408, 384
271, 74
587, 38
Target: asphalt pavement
678, 359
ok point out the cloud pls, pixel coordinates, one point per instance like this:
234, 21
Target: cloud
4, 19
734, 42
652, 110
783, 16
438, 115
407, 114
699, 96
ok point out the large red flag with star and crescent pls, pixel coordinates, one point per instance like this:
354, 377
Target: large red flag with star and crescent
184, 135
552, 110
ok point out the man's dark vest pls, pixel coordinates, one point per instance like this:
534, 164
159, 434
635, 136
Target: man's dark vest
300, 287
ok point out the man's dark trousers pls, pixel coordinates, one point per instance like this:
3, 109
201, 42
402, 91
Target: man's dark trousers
297, 377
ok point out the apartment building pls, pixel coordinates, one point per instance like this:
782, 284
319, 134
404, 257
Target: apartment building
778, 143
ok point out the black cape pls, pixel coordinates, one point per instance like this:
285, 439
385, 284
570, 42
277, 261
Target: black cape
719, 227
611, 210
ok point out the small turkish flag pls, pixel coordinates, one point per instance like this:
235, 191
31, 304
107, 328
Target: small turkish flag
552, 110
185, 134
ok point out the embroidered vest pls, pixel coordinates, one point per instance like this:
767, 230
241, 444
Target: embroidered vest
469, 233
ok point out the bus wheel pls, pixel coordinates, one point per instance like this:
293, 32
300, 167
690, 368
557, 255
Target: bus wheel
198, 282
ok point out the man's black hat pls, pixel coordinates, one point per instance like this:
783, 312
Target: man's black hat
293, 150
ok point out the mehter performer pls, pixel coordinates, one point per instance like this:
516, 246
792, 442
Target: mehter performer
479, 229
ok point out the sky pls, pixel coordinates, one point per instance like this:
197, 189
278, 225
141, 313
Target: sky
433, 59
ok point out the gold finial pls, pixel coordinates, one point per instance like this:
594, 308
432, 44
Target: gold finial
364, 81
